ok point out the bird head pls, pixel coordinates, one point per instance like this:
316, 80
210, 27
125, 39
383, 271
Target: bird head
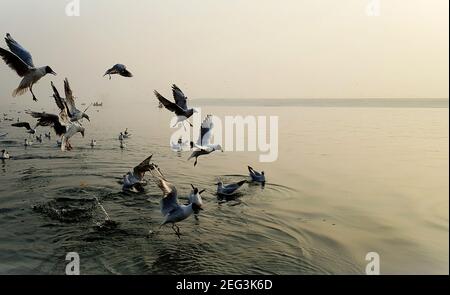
49, 70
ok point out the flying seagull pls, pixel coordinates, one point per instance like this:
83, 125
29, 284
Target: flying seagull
26, 125
118, 69
203, 145
179, 107
20, 60
67, 104
134, 180
229, 189
172, 211
256, 176
65, 130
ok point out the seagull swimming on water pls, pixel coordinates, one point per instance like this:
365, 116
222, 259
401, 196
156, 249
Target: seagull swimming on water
173, 211
20, 60
118, 69
26, 125
229, 189
256, 176
179, 107
4, 155
134, 180
27, 142
203, 145
67, 104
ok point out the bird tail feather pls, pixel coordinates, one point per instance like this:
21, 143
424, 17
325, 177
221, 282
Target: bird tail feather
19, 91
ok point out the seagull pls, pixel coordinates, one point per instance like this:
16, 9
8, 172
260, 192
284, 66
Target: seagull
203, 145
179, 145
118, 69
126, 134
134, 180
20, 60
229, 189
179, 107
256, 176
67, 104
4, 155
170, 209
93, 142
27, 143
65, 130
26, 125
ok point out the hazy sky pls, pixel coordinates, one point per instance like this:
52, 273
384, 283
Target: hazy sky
235, 48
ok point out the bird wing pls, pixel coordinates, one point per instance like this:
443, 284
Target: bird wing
231, 188
205, 131
180, 98
18, 50
125, 73
72, 130
22, 124
253, 171
45, 119
115, 69
143, 166
69, 97
61, 103
169, 201
173, 107
15, 62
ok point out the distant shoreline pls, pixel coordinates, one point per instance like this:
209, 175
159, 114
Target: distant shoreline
328, 102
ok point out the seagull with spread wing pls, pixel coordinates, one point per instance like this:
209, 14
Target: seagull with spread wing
118, 69
134, 180
179, 107
64, 129
20, 60
172, 211
25, 125
67, 104
203, 145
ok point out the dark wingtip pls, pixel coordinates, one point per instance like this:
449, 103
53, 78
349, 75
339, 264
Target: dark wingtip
191, 144
241, 182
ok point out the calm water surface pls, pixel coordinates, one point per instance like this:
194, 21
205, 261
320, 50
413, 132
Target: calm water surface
347, 181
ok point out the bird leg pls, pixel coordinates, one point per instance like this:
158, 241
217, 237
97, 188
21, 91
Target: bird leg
31, 90
176, 229
109, 77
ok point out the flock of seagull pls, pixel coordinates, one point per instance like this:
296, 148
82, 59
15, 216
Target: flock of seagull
69, 122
